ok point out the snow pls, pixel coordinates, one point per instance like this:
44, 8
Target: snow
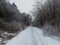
32, 36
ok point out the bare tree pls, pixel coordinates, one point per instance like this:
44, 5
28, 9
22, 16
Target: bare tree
48, 17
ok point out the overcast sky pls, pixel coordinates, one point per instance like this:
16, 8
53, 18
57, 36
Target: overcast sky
25, 5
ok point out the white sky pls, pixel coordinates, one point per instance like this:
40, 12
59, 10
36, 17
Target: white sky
25, 5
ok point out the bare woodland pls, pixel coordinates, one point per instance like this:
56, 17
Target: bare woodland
12, 21
48, 17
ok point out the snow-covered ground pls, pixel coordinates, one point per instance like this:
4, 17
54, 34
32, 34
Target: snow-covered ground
32, 36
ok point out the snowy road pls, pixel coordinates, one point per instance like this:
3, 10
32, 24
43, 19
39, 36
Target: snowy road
32, 36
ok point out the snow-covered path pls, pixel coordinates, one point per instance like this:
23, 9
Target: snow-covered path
32, 36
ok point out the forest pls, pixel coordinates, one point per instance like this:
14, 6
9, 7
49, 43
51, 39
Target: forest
12, 21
